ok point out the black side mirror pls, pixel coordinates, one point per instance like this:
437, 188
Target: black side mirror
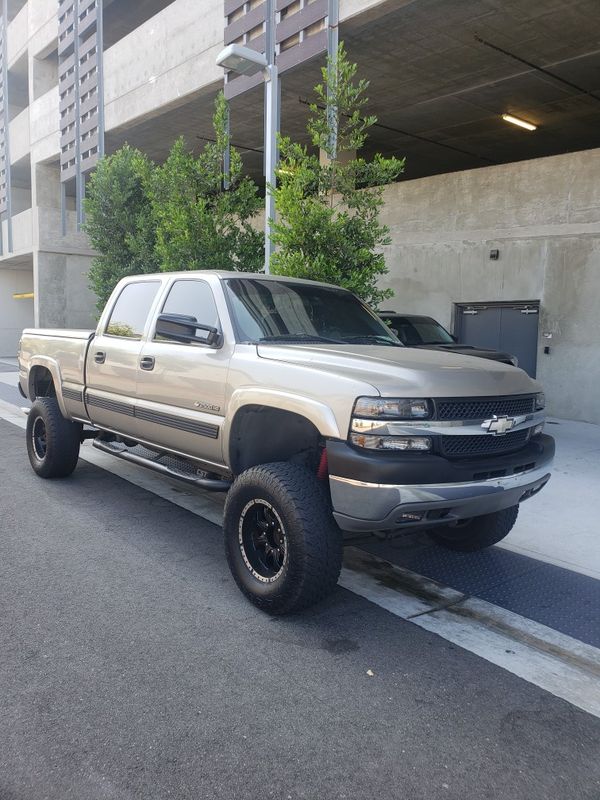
181, 328
454, 338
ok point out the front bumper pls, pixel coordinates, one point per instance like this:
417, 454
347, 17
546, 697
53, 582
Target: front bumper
371, 500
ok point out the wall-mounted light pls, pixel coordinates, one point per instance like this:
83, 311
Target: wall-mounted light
520, 122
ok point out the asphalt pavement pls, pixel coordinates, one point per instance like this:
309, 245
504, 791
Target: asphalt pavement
131, 667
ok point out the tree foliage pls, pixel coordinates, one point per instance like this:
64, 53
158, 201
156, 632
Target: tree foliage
185, 214
199, 225
327, 224
119, 220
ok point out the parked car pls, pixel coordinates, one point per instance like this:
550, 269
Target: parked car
295, 398
417, 331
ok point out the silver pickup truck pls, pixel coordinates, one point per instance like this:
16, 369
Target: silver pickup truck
298, 401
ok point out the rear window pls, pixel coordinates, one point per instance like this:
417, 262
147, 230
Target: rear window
130, 312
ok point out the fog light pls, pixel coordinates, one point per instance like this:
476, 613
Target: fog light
403, 443
538, 429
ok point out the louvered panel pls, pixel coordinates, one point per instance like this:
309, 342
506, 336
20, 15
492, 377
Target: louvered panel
79, 86
301, 34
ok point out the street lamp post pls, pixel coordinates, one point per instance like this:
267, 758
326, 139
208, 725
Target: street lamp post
246, 61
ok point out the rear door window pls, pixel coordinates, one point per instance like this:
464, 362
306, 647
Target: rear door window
130, 312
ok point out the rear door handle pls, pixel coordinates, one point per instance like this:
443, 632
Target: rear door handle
99, 357
147, 362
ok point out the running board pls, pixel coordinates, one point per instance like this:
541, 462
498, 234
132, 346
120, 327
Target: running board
114, 449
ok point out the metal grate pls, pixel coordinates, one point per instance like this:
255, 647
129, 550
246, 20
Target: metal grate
465, 446
485, 407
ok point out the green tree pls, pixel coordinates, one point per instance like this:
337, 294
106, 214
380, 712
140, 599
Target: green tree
200, 224
119, 220
327, 224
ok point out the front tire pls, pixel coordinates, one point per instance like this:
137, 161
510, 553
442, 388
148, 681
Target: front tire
478, 533
283, 547
52, 441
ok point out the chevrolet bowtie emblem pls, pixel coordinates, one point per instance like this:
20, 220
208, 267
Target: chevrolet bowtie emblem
499, 425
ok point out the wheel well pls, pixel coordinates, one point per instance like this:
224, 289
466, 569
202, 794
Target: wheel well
41, 383
261, 435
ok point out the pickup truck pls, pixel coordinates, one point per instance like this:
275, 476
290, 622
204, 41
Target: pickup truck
296, 399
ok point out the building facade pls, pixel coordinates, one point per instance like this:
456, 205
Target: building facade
489, 222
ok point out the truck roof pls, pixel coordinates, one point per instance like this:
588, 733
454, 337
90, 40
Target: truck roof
223, 274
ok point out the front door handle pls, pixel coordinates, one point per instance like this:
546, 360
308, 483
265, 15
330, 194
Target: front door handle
147, 362
99, 357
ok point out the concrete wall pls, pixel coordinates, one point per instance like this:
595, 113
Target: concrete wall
61, 280
16, 314
179, 49
544, 217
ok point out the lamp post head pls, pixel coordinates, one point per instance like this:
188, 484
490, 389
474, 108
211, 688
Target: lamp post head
241, 59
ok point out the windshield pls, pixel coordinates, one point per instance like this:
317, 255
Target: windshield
420, 330
277, 311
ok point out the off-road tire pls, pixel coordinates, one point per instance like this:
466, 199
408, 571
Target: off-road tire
52, 441
312, 549
479, 533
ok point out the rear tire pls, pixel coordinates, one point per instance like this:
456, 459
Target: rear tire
478, 533
52, 441
283, 547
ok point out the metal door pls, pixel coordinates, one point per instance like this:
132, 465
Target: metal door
512, 328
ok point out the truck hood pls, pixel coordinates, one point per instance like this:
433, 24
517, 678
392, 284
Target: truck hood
469, 350
405, 371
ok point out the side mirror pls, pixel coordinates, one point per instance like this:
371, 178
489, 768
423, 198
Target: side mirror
454, 338
181, 328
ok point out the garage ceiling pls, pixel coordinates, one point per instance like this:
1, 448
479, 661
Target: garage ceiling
442, 72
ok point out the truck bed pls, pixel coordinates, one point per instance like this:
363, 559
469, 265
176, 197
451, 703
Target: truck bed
57, 349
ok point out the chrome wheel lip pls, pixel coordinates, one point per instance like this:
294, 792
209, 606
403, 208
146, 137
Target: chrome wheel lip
39, 440
267, 579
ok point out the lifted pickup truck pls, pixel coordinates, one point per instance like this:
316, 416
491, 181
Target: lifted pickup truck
295, 398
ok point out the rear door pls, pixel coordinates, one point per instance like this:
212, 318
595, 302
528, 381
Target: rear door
181, 387
113, 358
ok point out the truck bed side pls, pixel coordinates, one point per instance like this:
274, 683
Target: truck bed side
58, 357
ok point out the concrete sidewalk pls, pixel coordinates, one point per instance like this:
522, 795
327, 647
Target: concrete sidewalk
561, 525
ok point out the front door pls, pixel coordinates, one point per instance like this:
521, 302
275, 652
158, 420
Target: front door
511, 327
112, 362
181, 387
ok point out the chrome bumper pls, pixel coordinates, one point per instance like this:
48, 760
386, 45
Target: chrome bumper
360, 506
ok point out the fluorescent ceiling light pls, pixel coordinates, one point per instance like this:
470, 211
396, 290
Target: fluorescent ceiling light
520, 122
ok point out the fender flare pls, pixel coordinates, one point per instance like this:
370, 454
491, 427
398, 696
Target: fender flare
321, 416
54, 369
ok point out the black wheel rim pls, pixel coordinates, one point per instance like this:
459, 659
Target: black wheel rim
263, 541
39, 439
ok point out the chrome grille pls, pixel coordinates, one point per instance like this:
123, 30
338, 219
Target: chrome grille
466, 446
484, 407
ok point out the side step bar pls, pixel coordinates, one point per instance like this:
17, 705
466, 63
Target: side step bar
210, 484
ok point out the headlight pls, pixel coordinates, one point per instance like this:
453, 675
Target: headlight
540, 401
392, 408
403, 443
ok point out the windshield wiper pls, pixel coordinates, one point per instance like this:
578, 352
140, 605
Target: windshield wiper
299, 337
373, 337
